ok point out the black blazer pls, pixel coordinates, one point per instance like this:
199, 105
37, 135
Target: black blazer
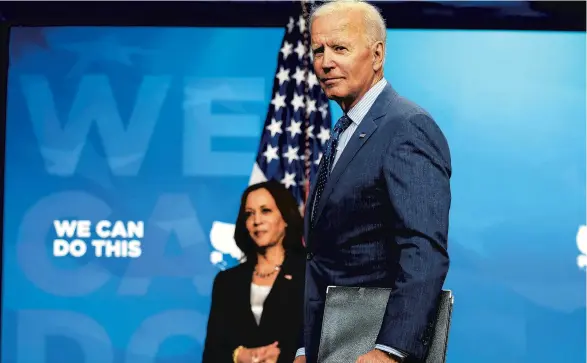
231, 322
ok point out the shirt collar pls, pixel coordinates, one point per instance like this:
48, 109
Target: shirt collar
358, 112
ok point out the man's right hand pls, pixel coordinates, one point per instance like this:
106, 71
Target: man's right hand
300, 359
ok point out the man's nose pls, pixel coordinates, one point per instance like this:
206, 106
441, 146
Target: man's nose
327, 61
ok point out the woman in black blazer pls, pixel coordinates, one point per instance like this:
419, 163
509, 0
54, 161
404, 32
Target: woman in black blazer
257, 307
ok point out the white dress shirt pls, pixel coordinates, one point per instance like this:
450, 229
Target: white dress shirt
258, 295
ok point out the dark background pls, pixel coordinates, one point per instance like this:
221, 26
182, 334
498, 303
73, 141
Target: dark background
522, 15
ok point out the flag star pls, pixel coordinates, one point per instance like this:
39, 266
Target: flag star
324, 110
310, 106
324, 134
274, 127
290, 25
271, 153
292, 154
297, 102
299, 76
286, 49
282, 75
295, 128
302, 24
312, 80
317, 161
278, 101
291, 145
289, 179
300, 50
310, 132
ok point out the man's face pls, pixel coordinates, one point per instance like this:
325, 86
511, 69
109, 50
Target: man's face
343, 60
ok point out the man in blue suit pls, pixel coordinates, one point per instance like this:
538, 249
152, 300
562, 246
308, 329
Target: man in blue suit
378, 212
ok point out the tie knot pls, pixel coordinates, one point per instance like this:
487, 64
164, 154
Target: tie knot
342, 124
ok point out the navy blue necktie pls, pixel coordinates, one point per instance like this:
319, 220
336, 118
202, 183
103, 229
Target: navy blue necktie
328, 160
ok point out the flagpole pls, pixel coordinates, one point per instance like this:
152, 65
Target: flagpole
308, 151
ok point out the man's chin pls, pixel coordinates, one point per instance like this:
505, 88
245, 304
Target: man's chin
334, 95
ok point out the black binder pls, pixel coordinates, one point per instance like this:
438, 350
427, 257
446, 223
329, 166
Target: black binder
352, 319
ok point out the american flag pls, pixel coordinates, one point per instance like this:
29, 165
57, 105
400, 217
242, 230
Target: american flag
298, 121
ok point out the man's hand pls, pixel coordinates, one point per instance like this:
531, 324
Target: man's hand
300, 359
376, 356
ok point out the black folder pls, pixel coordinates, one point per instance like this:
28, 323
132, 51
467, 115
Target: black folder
352, 319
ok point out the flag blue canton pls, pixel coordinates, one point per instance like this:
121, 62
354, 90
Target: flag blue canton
298, 121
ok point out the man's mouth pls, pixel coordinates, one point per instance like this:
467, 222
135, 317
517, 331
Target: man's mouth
328, 81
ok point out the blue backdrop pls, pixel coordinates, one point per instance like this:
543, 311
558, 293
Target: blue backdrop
162, 125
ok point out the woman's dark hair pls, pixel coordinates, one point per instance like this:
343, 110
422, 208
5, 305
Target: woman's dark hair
287, 205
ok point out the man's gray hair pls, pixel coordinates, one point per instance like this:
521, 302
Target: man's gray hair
374, 22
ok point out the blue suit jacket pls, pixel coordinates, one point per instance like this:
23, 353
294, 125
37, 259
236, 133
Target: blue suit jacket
382, 221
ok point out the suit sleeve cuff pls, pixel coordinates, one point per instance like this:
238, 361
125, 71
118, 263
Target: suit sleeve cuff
301, 352
393, 351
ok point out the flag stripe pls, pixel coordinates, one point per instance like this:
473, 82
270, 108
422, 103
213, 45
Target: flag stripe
298, 120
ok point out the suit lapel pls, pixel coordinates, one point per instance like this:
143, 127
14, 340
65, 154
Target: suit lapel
280, 285
245, 294
308, 210
367, 127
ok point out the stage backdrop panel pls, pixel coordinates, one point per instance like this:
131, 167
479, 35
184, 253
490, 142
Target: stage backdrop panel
161, 125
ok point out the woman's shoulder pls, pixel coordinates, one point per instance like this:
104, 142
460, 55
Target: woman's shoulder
233, 273
298, 254
297, 258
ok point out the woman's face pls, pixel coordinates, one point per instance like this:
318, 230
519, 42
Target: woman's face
263, 220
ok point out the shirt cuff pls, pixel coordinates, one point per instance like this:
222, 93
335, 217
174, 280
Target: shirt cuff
301, 352
390, 350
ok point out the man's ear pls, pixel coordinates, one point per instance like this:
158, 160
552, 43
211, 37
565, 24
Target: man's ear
378, 55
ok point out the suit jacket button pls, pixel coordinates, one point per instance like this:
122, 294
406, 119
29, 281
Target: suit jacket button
309, 256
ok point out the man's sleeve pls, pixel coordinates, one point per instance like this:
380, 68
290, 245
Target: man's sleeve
417, 173
300, 352
390, 350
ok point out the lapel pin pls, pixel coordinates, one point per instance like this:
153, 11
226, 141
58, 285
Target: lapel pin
287, 277
362, 135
